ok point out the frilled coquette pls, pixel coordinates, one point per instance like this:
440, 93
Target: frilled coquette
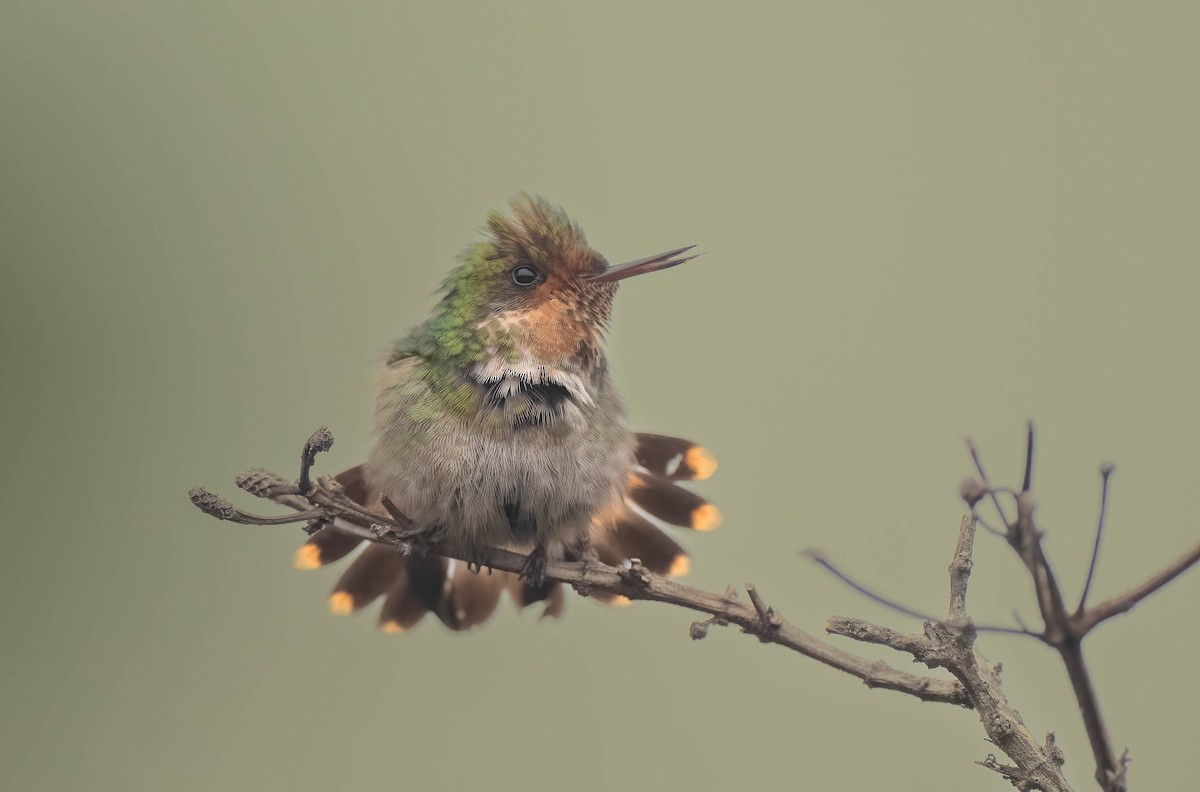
497, 424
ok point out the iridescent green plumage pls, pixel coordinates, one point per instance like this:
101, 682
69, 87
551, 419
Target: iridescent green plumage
451, 335
535, 232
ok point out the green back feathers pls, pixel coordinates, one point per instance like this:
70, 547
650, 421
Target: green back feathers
450, 334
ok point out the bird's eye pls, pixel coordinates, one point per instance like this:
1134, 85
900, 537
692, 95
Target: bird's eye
524, 275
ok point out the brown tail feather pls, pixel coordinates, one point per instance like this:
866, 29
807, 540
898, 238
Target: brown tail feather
469, 598
354, 481
555, 601
525, 595
418, 589
459, 598
324, 547
672, 504
427, 578
369, 577
673, 458
404, 606
633, 536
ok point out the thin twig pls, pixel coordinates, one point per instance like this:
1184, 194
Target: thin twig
215, 505
1027, 479
1105, 473
820, 559
960, 571
828, 566
1125, 602
769, 619
394, 510
320, 441
989, 528
1021, 623
984, 477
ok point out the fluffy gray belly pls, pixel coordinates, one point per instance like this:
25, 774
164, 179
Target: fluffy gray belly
515, 488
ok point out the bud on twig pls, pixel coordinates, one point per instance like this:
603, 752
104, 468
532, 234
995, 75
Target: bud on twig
212, 504
972, 491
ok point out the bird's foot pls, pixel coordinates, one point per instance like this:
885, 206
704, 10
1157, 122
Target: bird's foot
406, 536
585, 553
533, 573
414, 542
475, 564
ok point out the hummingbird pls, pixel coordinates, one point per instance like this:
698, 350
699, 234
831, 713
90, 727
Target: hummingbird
497, 424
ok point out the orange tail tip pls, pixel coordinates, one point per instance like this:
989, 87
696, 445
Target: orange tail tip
701, 461
324, 547
672, 504
307, 557
707, 518
674, 458
630, 536
341, 603
371, 575
680, 566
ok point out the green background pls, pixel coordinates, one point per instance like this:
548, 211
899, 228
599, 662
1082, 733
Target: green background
922, 221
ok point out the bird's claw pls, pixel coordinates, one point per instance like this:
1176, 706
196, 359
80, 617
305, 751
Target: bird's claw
533, 573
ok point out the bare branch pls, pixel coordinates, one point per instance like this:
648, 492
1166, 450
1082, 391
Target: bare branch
1027, 541
321, 441
643, 585
983, 476
1038, 766
828, 566
1105, 472
948, 644
767, 617
217, 506
1027, 479
1093, 616
951, 645
1064, 633
988, 527
637, 583
960, 571
867, 632
1014, 774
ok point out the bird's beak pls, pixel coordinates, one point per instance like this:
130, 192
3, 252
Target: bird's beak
649, 264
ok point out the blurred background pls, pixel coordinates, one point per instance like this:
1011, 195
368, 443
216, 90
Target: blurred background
922, 222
